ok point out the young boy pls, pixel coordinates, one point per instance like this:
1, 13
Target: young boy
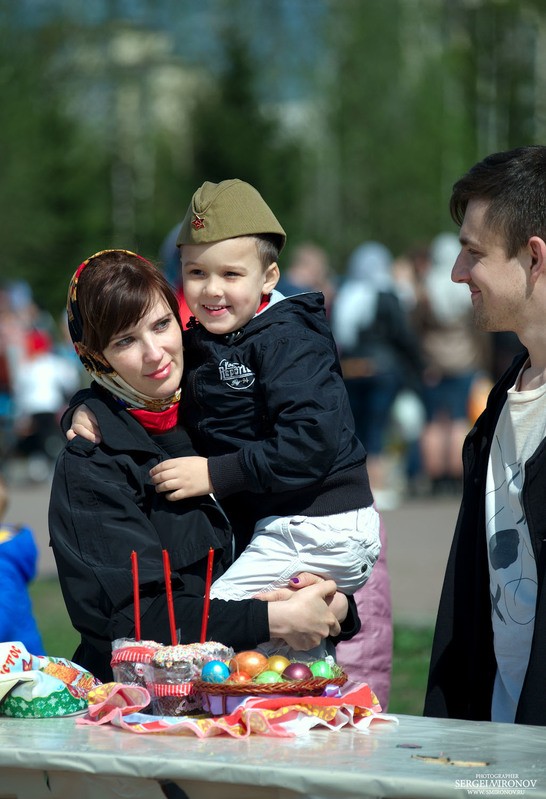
264, 399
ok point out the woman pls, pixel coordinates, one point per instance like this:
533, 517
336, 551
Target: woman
124, 322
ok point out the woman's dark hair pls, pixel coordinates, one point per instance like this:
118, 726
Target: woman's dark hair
513, 183
115, 290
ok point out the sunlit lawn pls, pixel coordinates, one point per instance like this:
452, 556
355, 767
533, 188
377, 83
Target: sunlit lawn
58, 635
410, 661
410, 668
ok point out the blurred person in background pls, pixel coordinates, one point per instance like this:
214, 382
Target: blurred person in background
408, 414
406, 271
6, 398
454, 356
12, 342
308, 270
43, 383
169, 261
379, 354
18, 560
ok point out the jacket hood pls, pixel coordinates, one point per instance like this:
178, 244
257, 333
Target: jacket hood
308, 306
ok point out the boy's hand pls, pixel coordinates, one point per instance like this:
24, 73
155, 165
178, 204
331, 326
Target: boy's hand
181, 478
84, 424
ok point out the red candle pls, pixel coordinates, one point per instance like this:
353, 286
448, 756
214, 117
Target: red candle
169, 590
206, 602
136, 593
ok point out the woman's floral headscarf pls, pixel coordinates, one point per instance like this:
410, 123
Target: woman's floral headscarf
95, 362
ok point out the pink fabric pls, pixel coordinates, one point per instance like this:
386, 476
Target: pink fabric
368, 656
114, 703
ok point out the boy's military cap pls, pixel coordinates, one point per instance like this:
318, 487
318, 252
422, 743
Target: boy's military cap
226, 210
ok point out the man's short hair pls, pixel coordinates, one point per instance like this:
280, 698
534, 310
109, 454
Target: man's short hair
513, 183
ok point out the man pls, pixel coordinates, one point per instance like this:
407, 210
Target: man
489, 651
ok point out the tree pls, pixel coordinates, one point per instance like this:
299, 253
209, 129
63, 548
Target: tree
52, 200
420, 91
498, 45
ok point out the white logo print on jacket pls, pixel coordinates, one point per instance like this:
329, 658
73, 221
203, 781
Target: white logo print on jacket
236, 375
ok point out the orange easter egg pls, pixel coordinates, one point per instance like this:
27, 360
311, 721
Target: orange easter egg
250, 661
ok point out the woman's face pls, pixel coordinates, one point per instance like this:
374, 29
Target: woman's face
148, 355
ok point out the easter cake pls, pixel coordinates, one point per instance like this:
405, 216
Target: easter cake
131, 660
173, 672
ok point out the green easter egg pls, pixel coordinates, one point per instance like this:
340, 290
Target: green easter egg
268, 676
320, 668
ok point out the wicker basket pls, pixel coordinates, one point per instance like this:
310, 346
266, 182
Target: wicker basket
311, 687
223, 698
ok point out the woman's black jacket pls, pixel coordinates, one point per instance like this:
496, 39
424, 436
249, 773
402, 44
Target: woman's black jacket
103, 506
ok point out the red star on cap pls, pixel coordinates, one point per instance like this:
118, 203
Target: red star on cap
197, 223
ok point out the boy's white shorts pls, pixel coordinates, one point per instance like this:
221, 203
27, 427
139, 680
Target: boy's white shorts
343, 547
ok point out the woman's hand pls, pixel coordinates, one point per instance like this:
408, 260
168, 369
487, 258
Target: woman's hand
301, 580
306, 617
338, 603
84, 424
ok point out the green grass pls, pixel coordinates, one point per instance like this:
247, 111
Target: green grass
410, 657
411, 654
59, 637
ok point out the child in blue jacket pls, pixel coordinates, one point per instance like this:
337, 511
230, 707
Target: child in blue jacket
18, 558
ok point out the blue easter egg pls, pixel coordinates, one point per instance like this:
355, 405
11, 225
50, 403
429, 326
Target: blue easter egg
215, 671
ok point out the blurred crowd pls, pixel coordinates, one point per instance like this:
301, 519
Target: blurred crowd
39, 372
417, 371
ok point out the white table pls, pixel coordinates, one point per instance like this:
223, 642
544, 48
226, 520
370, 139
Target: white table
56, 759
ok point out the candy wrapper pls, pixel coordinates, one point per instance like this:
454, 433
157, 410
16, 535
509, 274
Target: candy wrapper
35, 686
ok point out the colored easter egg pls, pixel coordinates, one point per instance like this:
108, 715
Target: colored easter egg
239, 676
320, 668
214, 671
268, 676
277, 663
250, 661
297, 671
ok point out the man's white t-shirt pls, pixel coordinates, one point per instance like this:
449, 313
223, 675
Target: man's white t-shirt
512, 569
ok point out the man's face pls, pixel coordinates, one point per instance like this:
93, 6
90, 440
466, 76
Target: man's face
498, 284
224, 282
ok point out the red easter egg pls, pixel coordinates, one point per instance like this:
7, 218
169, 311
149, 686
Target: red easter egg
297, 671
239, 676
250, 661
